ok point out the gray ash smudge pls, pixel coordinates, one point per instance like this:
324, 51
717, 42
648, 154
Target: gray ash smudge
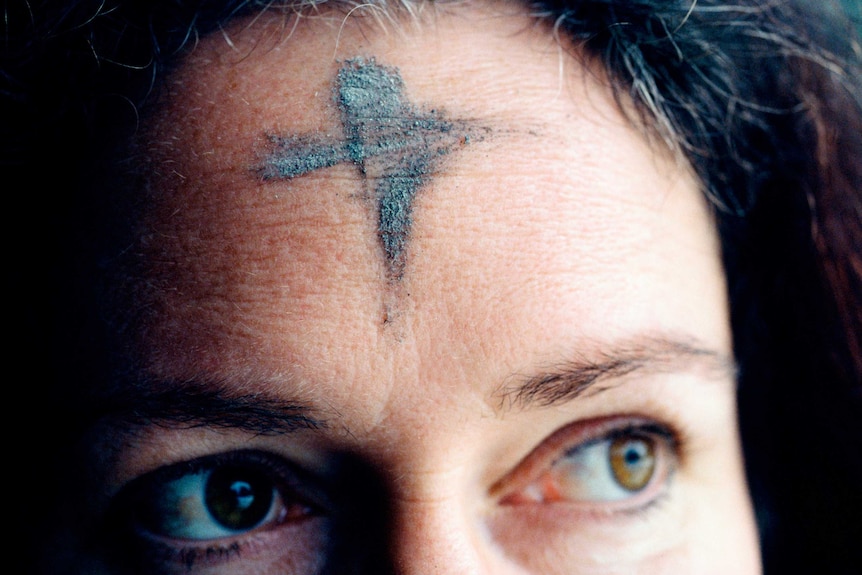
297, 155
395, 145
380, 123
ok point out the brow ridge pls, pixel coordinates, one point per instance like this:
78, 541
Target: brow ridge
194, 404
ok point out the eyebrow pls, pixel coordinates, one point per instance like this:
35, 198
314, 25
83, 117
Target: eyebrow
195, 404
586, 376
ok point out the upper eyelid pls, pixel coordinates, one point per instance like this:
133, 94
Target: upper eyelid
124, 455
198, 416
641, 429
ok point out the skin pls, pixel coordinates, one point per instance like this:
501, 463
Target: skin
384, 137
562, 238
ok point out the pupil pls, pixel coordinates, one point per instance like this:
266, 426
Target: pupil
633, 455
238, 498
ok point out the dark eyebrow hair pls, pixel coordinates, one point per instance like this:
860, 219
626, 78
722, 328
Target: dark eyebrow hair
585, 376
193, 404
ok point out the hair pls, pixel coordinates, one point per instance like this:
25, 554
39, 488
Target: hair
763, 98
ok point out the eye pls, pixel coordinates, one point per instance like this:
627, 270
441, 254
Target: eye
620, 465
211, 503
215, 498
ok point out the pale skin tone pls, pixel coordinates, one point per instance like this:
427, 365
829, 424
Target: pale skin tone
561, 239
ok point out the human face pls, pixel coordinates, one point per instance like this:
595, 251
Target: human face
525, 370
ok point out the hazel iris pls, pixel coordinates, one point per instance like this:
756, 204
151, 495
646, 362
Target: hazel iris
633, 461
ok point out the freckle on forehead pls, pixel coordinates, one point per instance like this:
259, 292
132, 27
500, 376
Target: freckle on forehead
395, 145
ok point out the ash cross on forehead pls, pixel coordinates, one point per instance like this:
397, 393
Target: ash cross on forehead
395, 146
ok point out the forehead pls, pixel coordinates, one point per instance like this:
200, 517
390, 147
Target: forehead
548, 209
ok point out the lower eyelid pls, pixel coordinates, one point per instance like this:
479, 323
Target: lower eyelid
302, 544
638, 504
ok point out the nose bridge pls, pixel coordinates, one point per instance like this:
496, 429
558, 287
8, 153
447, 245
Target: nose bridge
431, 471
435, 531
